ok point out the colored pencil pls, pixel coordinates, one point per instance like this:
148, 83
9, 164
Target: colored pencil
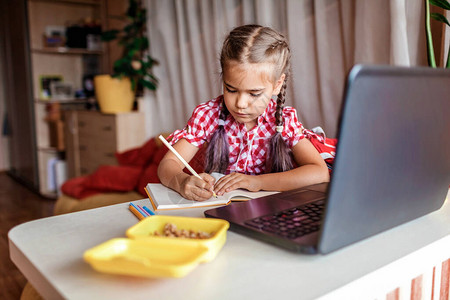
136, 212
143, 210
139, 210
181, 159
148, 210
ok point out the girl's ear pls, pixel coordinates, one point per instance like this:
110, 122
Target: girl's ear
279, 84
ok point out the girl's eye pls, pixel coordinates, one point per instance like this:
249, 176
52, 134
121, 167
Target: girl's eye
255, 95
230, 91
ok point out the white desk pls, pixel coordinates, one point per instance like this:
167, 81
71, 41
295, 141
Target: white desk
49, 253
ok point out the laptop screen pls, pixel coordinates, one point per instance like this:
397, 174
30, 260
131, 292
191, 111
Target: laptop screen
393, 155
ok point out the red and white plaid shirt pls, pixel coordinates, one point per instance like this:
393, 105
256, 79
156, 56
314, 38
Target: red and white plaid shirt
248, 149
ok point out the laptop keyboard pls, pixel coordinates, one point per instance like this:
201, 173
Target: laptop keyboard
291, 223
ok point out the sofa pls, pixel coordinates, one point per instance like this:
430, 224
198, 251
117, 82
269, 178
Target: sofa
123, 182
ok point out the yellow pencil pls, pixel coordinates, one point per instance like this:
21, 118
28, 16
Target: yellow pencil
135, 212
181, 159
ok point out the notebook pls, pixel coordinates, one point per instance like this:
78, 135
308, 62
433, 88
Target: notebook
392, 166
163, 198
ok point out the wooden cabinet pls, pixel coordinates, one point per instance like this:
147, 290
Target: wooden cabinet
92, 138
34, 142
58, 61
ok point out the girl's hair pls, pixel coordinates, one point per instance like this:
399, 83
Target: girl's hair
254, 44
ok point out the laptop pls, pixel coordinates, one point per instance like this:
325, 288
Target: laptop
392, 166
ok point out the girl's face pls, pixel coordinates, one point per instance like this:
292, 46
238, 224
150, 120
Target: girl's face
248, 90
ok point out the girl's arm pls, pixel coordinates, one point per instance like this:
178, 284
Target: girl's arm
171, 174
312, 169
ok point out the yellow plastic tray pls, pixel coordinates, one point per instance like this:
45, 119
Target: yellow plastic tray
149, 258
146, 228
143, 254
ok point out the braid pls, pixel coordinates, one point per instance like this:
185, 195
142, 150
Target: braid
280, 105
279, 156
279, 43
217, 152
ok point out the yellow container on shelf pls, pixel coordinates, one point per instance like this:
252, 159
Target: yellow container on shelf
146, 228
144, 254
114, 95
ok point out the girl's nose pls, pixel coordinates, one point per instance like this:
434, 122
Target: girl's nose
241, 101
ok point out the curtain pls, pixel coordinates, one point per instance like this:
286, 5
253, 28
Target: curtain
445, 42
327, 37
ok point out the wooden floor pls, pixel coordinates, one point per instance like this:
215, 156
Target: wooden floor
18, 204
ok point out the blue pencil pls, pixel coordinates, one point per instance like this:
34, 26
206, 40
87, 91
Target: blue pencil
142, 210
139, 210
148, 210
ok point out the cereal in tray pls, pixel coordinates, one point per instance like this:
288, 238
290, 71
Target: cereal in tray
171, 230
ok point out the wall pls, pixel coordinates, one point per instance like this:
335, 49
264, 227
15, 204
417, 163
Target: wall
4, 140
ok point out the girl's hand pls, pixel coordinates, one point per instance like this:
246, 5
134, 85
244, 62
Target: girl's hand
234, 181
194, 188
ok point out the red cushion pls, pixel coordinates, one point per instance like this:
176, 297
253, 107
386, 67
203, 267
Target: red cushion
75, 188
149, 175
198, 161
129, 175
114, 178
140, 156
159, 154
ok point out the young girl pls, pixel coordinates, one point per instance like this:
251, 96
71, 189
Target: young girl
250, 136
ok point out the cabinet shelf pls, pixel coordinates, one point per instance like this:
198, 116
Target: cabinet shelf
49, 195
82, 2
68, 101
66, 51
49, 149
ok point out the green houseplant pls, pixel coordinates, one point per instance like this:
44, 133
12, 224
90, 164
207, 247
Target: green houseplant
133, 70
444, 4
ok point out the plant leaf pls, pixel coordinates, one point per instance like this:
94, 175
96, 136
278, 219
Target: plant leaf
153, 78
132, 37
441, 18
132, 9
430, 48
441, 3
110, 35
447, 65
148, 84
